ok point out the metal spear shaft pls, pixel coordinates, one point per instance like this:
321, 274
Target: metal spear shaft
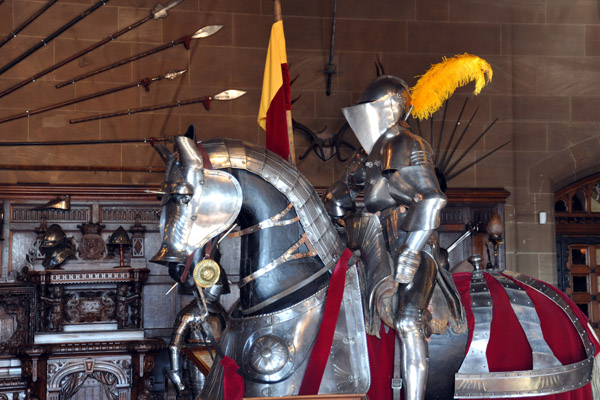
52, 36
201, 33
145, 83
27, 22
151, 141
330, 68
225, 95
157, 12
90, 168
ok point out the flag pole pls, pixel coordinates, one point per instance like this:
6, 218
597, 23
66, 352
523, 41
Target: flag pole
288, 113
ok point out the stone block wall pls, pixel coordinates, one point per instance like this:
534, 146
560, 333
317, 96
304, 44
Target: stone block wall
545, 56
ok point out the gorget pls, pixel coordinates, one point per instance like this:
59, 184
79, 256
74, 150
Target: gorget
230, 153
273, 349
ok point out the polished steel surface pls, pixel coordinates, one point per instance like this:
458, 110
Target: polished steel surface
198, 205
481, 305
548, 376
364, 232
547, 291
382, 105
290, 254
229, 153
400, 186
526, 314
206, 31
273, 348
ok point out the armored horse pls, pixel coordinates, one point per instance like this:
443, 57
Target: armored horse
288, 248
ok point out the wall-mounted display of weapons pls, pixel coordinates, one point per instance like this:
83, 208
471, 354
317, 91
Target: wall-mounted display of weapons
445, 163
52, 36
80, 168
151, 141
26, 23
225, 95
201, 33
158, 12
145, 83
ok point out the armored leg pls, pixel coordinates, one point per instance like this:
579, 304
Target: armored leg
412, 327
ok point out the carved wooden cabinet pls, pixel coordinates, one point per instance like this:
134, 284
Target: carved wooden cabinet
97, 326
17, 321
467, 206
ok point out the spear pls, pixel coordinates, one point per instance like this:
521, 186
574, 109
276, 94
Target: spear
224, 95
206, 31
151, 140
52, 36
157, 12
330, 67
145, 83
89, 168
27, 22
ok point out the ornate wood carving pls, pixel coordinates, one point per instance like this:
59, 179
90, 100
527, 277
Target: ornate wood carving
17, 304
64, 304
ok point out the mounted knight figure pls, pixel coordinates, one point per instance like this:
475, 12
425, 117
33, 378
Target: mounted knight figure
289, 248
306, 310
395, 231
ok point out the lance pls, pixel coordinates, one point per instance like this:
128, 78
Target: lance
330, 67
88, 168
204, 32
157, 12
27, 22
145, 83
52, 36
223, 96
151, 140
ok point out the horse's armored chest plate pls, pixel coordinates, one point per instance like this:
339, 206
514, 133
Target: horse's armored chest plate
273, 349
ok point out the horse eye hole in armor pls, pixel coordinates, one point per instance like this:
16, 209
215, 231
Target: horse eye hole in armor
181, 199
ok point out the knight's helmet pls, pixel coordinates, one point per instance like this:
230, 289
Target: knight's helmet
56, 247
382, 104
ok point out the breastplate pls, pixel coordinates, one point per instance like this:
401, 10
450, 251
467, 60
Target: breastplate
376, 192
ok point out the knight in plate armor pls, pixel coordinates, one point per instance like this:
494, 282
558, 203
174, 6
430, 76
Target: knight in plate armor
188, 332
395, 231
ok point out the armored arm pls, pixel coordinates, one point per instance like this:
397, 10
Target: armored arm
178, 340
417, 187
339, 198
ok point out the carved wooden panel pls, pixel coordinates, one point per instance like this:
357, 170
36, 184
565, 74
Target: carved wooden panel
17, 316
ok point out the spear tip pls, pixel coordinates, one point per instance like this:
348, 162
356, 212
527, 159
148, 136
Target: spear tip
206, 31
174, 74
230, 94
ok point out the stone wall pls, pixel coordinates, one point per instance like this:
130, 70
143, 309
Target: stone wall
544, 54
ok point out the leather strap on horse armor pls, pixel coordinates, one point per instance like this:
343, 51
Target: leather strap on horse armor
285, 257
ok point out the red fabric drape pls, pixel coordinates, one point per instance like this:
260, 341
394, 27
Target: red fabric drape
233, 383
381, 362
508, 349
322, 347
277, 132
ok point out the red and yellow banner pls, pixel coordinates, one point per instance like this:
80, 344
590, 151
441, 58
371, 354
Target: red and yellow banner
275, 99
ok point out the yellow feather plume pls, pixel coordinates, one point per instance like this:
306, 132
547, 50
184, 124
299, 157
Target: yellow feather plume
442, 79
